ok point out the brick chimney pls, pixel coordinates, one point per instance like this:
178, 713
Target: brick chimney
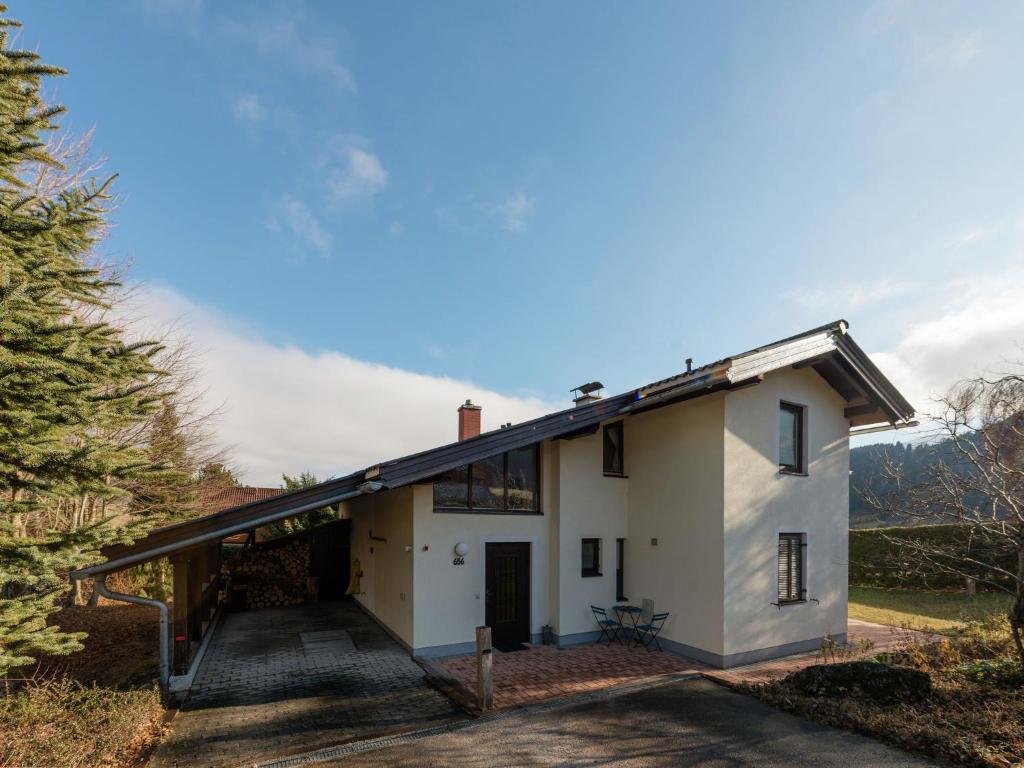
469, 420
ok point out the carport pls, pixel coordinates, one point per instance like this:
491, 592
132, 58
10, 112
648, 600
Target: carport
194, 548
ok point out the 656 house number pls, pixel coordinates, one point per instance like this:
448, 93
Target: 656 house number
458, 561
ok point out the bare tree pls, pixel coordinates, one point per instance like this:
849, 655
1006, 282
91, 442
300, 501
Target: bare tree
976, 484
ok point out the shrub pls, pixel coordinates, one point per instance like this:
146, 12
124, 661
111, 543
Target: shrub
65, 723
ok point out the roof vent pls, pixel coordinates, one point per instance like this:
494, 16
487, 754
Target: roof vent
689, 365
587, 393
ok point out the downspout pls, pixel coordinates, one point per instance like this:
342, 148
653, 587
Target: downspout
100, 585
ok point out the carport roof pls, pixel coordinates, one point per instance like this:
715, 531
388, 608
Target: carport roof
828, 349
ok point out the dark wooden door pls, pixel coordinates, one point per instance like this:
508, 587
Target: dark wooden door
508, 593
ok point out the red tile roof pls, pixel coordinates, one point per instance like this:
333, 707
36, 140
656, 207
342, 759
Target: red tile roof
224, 497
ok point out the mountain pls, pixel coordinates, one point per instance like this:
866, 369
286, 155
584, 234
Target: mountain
867, 470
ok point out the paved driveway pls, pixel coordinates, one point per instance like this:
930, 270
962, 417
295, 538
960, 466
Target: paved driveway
689, 723
280, 681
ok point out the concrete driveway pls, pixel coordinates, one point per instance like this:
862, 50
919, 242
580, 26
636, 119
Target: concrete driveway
688, 723
279, 681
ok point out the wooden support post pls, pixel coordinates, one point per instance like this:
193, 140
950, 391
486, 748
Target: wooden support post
484, 659
179, 620
195, 597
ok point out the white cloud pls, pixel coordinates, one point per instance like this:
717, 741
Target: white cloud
514, 212
249, 108
976, 327
351, 171
850, 297
956, 53
294, 218
284, 409
281, 36
471, 214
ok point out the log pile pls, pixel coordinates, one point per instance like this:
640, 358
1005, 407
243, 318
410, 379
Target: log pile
277, 572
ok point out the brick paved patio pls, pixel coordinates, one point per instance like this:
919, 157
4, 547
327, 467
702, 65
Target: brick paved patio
544, 672
282, 681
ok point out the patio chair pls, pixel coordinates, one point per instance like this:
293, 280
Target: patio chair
610, 628
647, 634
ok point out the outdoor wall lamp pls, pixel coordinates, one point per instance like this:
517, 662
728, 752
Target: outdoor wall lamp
461, 548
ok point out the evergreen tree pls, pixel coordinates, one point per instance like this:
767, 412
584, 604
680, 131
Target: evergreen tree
304, 521
69, 382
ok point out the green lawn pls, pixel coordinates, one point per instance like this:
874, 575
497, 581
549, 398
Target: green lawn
937, 611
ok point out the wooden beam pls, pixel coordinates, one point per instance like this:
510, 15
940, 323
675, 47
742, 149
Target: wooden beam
582, 432
179, 619
853, 411
813, 361
195, 597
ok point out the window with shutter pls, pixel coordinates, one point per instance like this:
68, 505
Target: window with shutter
791, 567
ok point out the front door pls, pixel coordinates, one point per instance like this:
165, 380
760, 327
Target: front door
508, 593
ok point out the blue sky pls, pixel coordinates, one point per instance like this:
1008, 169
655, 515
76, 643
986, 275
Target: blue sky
510, 199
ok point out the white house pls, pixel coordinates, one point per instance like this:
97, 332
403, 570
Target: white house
721, 494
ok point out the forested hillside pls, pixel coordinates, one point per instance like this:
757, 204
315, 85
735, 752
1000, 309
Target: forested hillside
867, 469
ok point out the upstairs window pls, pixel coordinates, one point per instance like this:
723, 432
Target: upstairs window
791, 438
791, 567
613, 456
591, 557
508, 482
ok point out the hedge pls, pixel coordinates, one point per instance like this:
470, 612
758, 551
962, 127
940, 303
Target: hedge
874, 560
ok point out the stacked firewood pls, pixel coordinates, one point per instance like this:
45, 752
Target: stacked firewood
277, 575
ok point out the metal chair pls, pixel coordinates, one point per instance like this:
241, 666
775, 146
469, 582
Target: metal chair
647, 634
610, 628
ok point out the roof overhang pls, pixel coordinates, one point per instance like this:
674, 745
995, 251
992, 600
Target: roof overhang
873, 403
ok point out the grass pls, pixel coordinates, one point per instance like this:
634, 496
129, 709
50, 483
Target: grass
98, 707
930, 610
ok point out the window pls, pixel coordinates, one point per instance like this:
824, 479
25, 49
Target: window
620, 546
791, 567
507, 482
613, 458
791, 438
591, 557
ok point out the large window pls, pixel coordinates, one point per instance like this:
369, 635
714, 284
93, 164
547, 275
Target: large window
591, 557
791, 438
791, 567
614, 463
508, 482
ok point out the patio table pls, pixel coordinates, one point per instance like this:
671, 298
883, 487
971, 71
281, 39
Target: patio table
634, 616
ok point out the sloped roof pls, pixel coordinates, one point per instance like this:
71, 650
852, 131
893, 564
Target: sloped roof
829, 350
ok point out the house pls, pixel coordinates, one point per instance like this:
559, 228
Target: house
720, 493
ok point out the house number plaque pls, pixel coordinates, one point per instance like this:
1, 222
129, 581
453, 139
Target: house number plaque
459, 561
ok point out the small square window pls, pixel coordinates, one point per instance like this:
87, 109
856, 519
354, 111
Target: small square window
791, 438
591, 557
613, 454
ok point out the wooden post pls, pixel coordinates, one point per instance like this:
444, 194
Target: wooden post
484, 658
195, 597
179, 623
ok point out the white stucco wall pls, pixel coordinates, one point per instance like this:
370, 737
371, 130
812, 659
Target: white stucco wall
674, 461
702, 479
760, 503
591, 506
450, 601
386, 588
